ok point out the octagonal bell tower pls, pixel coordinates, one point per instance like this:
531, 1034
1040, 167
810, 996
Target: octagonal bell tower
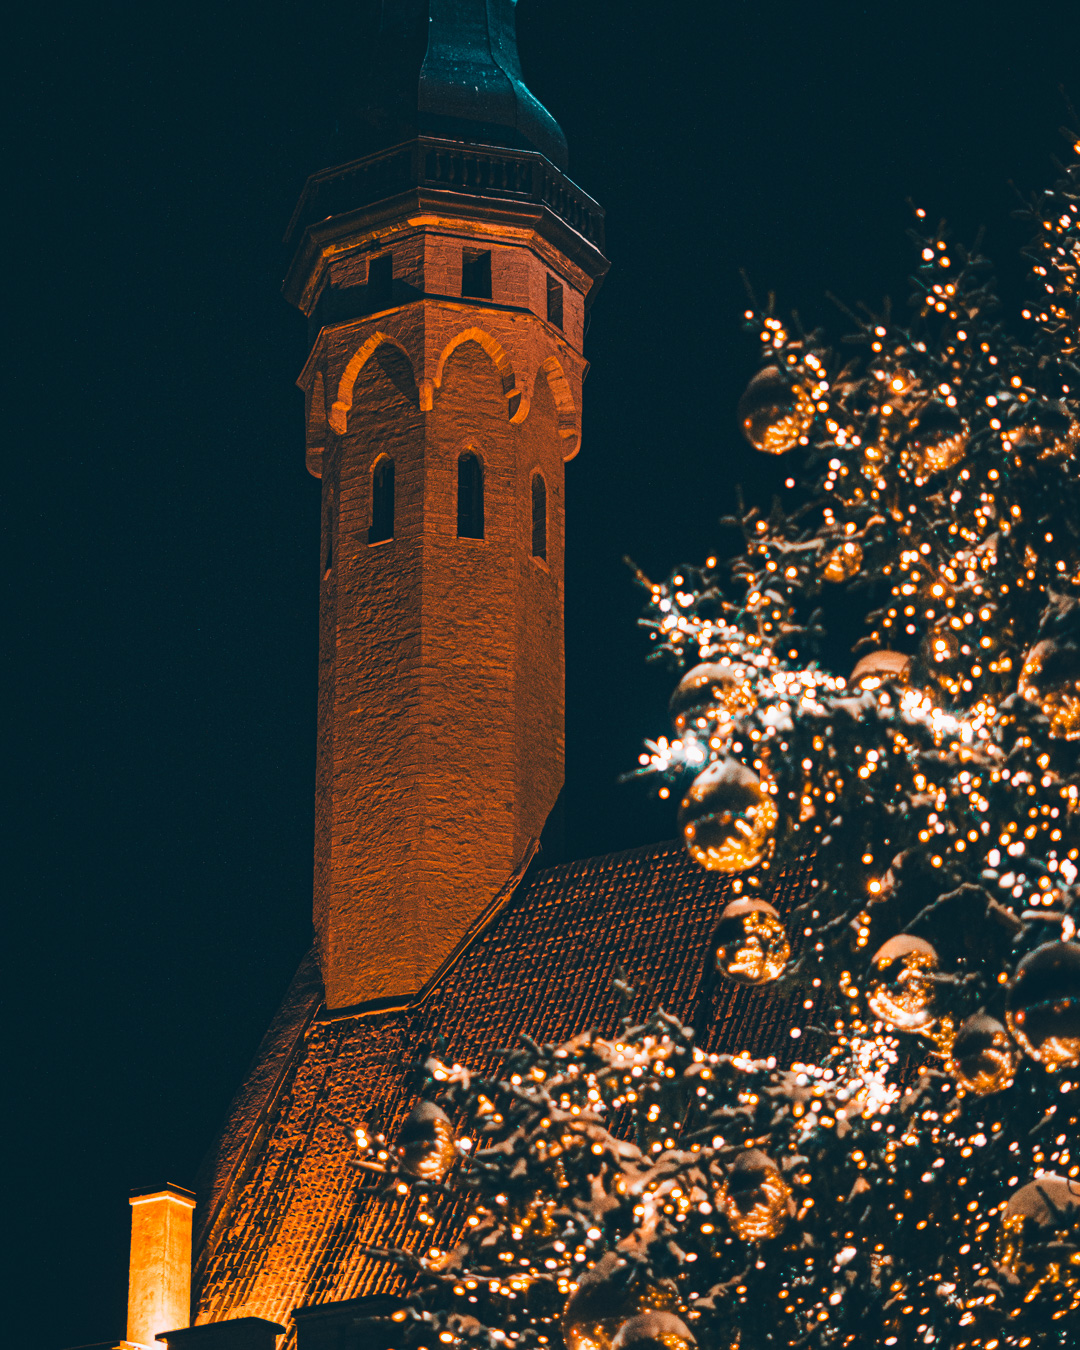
445, 275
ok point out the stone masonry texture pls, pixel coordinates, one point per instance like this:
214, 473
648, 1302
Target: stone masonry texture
440, 740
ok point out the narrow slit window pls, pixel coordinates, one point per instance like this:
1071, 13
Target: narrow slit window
476, 273
539, 517
381, 281
382, 502
328, 565
555, 301
470, 497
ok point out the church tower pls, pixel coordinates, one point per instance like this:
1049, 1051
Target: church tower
445, 275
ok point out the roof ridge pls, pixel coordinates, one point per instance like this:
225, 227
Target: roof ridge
582, 864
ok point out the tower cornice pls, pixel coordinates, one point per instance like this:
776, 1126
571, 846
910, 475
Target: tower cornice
507, 189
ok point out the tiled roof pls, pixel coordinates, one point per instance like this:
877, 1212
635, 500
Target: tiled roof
283, 1216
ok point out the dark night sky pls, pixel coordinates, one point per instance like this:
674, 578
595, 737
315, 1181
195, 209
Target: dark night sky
163, 576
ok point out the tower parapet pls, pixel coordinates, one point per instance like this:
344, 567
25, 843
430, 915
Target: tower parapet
445, 281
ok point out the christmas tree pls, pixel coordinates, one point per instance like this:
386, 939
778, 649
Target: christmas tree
912, 1179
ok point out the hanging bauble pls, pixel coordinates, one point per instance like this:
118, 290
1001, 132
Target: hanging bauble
755, 1197
426, 1147
654, 1331
1043, 1004
938, 437
710, 692
899, 993
607, 1296
843, 562
1044, 425
983, 1057
1050, 677
775, 411
1036, 1241
727, 819
877, 668
752, 944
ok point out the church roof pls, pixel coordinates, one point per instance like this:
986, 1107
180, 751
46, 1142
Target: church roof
283, 1216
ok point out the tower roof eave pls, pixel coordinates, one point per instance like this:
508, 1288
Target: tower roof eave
514, 187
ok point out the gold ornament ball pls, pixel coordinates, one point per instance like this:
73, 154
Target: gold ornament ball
727, 819
775, 411
752, 944
983, 1057
1042, 1006
878, 668
899, 994
755, 1197
843, 562
654, 1331
938, 437
1050, 677
605, 1298
709, 692
426, 1148
1034, 1242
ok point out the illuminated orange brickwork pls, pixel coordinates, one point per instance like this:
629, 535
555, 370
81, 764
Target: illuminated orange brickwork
159, 1276
441, 658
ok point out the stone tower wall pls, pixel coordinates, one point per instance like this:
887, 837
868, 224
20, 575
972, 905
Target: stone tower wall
441, 658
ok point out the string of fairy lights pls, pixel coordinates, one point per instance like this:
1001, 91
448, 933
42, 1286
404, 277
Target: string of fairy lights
912, 1179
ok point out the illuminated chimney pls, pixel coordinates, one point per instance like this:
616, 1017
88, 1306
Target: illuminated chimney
159, 1278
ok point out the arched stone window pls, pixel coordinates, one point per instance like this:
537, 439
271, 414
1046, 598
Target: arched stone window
539, 517
382, 500
470, 497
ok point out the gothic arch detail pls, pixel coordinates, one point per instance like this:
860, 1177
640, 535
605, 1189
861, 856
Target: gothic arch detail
470, 494
382, 500
498, 358
339, 413
565, 407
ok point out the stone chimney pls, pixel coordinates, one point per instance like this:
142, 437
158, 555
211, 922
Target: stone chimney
159, 1275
